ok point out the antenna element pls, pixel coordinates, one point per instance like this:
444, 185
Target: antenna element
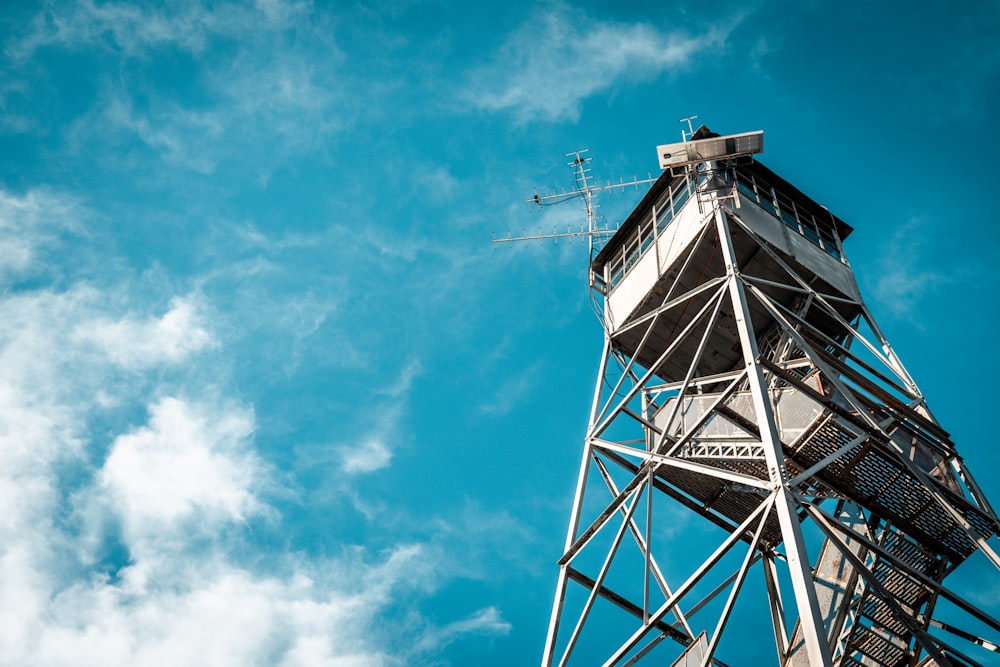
586, 190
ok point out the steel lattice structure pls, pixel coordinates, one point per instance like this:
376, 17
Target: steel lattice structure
744, 379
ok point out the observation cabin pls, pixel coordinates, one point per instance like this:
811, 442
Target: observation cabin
658, 243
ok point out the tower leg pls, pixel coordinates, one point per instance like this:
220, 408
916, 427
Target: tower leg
574, 520
798, 561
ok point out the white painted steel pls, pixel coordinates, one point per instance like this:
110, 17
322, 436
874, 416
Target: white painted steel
734, 429
714, 148
795, 550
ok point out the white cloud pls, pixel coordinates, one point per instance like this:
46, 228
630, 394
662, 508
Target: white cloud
561, 56
134, 543
43, 371
27, 222
371, 455
183, 493
141, 343
216, 615
188, 463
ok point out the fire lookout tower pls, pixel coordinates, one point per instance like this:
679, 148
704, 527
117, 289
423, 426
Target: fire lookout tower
744, 380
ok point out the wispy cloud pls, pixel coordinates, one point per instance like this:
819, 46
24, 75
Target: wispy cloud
560, 56
261, 80
511, 391
401, 387
486, 621
908, 273
31, 221
373, 451
261, 109
181, 136
135, 29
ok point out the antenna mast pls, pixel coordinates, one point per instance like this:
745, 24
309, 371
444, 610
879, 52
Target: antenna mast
585, 189
685, 136
583, 177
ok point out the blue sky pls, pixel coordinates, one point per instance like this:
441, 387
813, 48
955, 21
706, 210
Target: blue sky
267, 393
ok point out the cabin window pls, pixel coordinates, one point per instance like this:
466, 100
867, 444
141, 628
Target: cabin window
816, 228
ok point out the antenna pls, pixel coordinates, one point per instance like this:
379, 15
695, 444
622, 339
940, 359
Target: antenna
586, 190
690, 133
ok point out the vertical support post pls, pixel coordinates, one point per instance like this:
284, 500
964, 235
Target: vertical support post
646, 549
798, 562
560, 595
777, 608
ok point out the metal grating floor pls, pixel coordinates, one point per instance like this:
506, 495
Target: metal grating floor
877, 479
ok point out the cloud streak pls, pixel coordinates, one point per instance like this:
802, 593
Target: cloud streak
135, 30
562, 56
912, 269
258, 79
486, 621
373, 452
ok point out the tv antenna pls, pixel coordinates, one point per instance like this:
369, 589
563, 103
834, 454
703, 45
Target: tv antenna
585, 189
690, 131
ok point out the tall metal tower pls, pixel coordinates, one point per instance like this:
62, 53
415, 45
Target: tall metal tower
757, 458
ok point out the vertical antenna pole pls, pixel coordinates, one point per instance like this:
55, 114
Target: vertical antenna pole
584, 188
690, 133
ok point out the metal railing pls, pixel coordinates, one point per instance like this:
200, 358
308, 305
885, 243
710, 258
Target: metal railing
645, 234
813, 227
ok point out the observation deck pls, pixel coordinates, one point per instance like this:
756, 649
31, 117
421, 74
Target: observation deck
663, 249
